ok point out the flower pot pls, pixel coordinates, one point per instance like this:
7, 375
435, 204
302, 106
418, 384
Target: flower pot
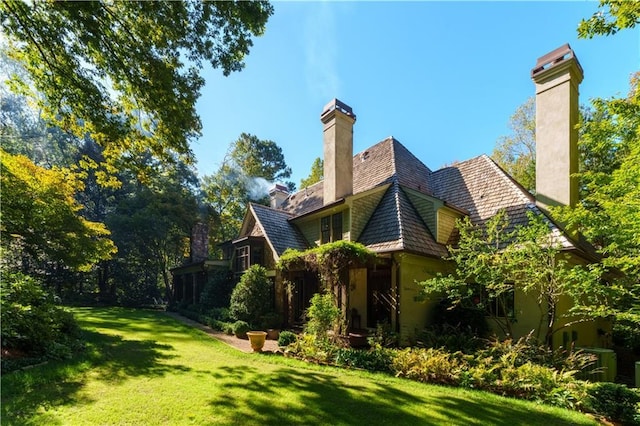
257, 338
273, 334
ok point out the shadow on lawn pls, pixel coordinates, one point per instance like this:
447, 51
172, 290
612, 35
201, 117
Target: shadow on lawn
25, 394
326, 399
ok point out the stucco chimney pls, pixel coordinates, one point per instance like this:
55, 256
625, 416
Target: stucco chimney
277, 195
337, 119
557, 76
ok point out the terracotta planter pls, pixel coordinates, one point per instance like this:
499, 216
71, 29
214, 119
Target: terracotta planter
257, 338
273, 334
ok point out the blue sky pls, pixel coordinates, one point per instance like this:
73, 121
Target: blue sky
441, 77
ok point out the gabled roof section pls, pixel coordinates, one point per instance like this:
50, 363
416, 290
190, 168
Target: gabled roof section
278, 231
380, 164
482, 188
397, 226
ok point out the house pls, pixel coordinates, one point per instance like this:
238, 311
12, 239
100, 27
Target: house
390, 201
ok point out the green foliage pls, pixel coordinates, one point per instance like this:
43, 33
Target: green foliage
626, 333
286, 338
127, 73
40, 216
253, 296
614, 401
516, 153
240, 329
611, 17
217, 290
250, 166
315, 175
32, 322
374, 359
323, 315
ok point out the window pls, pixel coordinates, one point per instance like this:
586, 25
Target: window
502, 306
325, 229
331, 228
242, 259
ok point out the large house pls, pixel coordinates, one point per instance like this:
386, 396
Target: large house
391, 202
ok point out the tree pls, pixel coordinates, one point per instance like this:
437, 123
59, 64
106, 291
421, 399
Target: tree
252, 298
516, 153
40, 216
493, 260
315, 175
612, 16
250, 167
151, 225
127, 73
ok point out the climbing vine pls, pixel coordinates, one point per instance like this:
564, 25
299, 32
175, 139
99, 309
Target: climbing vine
332, 262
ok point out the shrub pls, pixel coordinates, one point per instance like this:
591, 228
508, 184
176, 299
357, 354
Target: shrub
217, 290
31, 321
286, 338
375, 359
252, 297
240, 329
614, 401
323, 315
429, 365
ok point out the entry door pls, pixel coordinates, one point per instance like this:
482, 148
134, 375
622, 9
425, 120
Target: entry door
379, 300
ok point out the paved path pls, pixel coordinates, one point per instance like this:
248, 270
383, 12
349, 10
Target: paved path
240, 344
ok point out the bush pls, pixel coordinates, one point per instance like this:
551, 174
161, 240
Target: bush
32, 322
375, 359
323, 315
240, 329
286, 338
252, 297
614, 401
217, 290
429, 365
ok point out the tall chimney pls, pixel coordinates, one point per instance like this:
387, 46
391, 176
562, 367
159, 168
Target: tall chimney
277, 195
337, 119
557, 76
199, 249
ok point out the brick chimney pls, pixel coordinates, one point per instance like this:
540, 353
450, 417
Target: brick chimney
557, 76
337, 119
277, 195
199, 249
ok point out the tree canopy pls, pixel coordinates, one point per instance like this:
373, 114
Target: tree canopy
611, 17
315, 175
40, 215
127, 73
516, 153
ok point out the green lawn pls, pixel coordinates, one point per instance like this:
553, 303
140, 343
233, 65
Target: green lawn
143, 367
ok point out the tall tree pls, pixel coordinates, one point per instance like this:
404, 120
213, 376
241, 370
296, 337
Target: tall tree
127, 73
315, 175
40, 216
516, 153
250, 167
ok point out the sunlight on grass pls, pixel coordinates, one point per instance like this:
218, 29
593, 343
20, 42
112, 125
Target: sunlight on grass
143, 367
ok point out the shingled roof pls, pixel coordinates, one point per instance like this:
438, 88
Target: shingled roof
380, 164
482, 188
278, 231
397, 226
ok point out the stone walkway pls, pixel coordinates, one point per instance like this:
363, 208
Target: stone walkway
240, 344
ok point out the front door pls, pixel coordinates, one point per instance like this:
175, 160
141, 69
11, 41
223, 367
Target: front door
379, 300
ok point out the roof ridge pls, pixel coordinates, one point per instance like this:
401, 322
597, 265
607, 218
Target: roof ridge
526, 196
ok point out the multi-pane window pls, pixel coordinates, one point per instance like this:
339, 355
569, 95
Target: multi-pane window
331, 228
242, 258
500, 306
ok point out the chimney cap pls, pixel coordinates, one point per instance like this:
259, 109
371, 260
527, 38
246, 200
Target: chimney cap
278, 188
337, 104
554, 58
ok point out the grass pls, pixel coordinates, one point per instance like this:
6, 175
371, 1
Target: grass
143, 367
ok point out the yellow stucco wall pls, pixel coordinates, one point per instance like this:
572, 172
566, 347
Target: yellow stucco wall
358, 295
414, 313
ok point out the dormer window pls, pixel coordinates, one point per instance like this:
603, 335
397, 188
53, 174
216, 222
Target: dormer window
331, 228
